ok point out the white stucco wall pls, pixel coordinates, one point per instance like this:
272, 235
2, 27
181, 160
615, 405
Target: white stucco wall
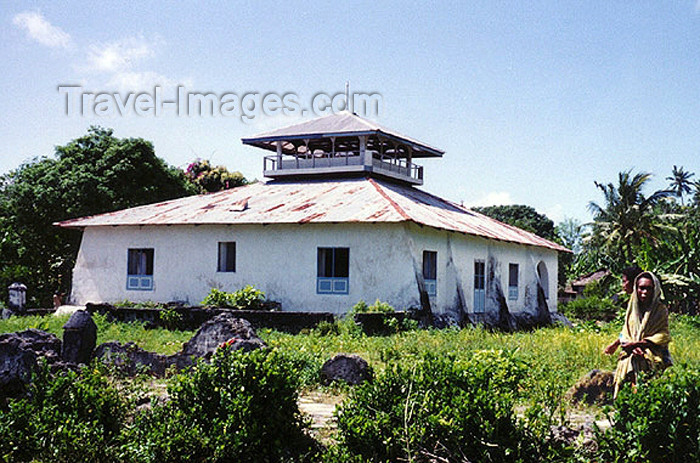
385, 264
456, 254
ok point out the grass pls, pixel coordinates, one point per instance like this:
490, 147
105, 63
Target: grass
557, 356
157, 340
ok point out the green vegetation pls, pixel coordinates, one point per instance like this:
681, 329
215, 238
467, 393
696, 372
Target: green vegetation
658, 231
241, 407
66, 415
438, 407
211, 179
658, 423
246, 298
92, 174
95, 173
377, 307
521, 216
158, 340
591, 308
450, 394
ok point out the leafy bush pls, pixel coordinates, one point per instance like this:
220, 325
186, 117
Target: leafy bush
440, 409
127, 304
246, 298
67, 415
325, 328
659, 423
241, 407
601, 288
377, 307
170, 317
591, 308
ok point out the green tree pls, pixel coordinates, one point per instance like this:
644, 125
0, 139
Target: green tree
696, 194
570, 234
93, 174
626, 216
680, 182
209, 179
521, 216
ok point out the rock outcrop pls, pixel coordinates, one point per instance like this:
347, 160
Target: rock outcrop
131, 359
224, 328
19, 353
352, 369
79, 338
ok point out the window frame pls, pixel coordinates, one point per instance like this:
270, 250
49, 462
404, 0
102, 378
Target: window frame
140, 263
479, 286
513, 289
430, 271
225, 257
333, 277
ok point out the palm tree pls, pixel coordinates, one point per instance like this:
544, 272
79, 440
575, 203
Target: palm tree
626, 216
680, 182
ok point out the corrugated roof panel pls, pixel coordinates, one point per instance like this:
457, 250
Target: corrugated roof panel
340, 124
317, 201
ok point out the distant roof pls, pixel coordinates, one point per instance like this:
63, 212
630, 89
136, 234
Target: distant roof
348, 200
342, 124
583, 280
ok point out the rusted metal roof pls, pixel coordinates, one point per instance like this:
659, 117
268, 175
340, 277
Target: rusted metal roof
343, 200
591, 277
342, 124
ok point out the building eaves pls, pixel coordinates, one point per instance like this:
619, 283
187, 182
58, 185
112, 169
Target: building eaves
346, 200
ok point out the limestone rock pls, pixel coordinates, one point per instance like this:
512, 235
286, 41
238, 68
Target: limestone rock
18, 358
352, 369
79, 338
131, 359
559, 318
221, 329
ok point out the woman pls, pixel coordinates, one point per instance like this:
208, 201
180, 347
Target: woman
645, 336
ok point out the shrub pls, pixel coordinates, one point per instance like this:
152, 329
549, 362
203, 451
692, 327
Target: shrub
241, 407
377, 307
659, 423
170, 317
325, 328
67, 415
246, 298
127, 304
591, 308
439, 410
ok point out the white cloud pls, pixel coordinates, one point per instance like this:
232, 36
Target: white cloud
142, 81
39, 29
119, 56
494, 198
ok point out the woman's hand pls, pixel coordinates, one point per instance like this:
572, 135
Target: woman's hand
612, 347
634, 347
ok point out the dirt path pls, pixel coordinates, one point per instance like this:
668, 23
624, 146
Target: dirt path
320, 408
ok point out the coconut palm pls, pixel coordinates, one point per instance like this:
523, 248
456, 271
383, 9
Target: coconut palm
680, 182
626, 217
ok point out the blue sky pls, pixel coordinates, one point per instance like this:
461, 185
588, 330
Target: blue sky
532, 101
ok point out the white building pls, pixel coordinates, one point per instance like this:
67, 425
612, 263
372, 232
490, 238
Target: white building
340, 220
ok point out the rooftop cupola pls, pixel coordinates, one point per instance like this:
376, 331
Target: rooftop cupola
338, 144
